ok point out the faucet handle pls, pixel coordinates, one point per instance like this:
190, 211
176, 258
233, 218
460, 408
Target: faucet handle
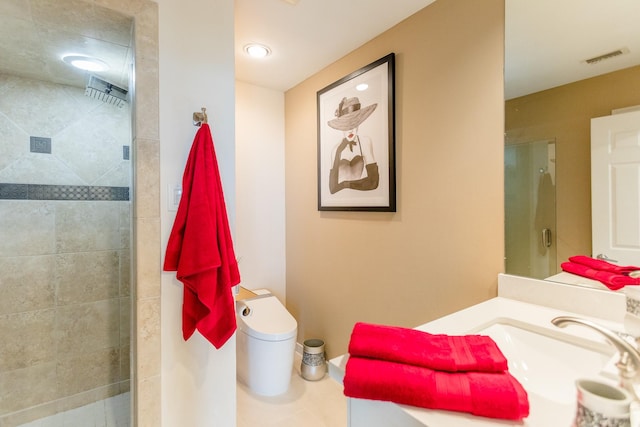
625, 366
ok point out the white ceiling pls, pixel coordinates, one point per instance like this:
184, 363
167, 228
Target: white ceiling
547, 41
308, 35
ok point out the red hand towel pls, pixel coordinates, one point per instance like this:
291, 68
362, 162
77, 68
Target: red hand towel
200, 248
598, 264
488, 394
439, 352
612, 281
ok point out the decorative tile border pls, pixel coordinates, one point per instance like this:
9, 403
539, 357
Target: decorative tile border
62, 192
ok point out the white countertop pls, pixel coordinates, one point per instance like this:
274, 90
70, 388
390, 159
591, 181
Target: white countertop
609, 309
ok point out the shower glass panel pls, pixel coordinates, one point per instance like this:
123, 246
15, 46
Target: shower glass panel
530, 209
65, 221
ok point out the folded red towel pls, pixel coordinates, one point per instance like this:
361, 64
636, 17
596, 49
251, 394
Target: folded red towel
612, 281
598, 264
200, 248
488, 394
439, 352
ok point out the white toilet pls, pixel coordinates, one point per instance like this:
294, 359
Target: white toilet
266, 344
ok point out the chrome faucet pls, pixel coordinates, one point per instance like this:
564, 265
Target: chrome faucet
629, 363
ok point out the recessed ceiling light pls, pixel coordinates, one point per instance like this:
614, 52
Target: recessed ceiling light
87, 63
362, 87
257, 50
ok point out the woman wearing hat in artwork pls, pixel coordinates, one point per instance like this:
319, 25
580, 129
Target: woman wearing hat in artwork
354, 165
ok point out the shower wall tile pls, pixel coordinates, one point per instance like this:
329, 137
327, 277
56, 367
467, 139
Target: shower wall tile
146, 34
148, 265
149, 412
148, 337
118, 176
29, 115
147, 181
146, 106
13, 33
82, 328
87, 276
125, 273
39, 108
17, 352
125, 321
27, 228
87, 226
72, 253
38, 168
125, 386
18, 8
62, 192
125, 368
87, 134
103, 129
86, 371
17, 394
125, 223
27, 283
98, 23
146, 390
14, 143
112, 25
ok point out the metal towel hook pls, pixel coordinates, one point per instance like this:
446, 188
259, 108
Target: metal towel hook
200, 117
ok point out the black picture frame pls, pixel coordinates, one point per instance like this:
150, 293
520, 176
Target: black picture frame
356, 140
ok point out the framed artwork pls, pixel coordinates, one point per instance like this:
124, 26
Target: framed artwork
356, 140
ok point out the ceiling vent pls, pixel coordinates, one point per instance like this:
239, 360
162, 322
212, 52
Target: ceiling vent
106, 92
608, 55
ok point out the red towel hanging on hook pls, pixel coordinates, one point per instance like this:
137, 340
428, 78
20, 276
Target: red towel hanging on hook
200, 248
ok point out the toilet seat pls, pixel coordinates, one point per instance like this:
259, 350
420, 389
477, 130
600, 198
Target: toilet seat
265, 318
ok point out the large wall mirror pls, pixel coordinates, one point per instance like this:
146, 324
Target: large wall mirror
565, 63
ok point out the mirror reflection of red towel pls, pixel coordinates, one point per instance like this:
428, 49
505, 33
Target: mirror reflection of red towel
612, 281
200, 248
602, 265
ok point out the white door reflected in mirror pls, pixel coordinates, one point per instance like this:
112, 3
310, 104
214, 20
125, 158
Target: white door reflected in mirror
615, 187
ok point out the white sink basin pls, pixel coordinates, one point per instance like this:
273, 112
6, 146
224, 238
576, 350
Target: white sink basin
544, 358
547, 366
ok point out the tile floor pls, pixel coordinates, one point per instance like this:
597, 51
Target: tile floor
306, 404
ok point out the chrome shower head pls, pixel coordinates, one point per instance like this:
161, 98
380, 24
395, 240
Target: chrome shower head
105, 91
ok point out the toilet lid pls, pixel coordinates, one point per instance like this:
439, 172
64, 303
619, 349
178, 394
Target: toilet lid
265, 318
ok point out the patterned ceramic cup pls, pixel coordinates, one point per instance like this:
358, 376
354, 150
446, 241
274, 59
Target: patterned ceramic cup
601, 404
632, 316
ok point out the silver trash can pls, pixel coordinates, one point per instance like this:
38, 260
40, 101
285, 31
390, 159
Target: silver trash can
314, 363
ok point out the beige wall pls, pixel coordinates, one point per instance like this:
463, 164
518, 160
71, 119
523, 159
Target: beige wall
260, 234
443, 248
565, 113
196, 69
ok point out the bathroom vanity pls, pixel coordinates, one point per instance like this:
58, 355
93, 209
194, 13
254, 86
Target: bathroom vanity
545, 359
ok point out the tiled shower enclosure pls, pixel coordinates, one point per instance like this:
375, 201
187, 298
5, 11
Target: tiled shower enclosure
64, 249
